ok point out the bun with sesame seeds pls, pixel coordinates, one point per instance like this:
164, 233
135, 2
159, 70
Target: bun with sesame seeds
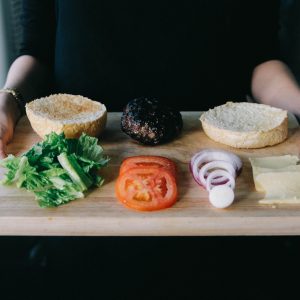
246, 125
71, 114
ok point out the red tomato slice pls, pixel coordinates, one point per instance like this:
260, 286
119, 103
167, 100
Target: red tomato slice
145, 161
147, 189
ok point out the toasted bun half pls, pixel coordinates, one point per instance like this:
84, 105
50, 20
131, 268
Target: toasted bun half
71, 114
246, 125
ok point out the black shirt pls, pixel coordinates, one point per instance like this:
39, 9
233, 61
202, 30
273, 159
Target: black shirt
192, 54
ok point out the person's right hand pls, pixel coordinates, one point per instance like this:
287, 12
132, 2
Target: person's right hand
9, 114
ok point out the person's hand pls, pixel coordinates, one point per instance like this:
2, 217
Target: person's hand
9, 114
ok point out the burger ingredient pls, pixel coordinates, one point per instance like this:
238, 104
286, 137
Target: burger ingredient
213, 155
246, 125
146, 188
57, 169
278, 177
70, 114
228, 179
223, 165
150, 122
221, 196
216, 170
148, 161
70, 164
272, 164
280, 187
208, 155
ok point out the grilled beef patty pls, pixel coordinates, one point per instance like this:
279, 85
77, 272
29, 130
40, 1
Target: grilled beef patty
150, 122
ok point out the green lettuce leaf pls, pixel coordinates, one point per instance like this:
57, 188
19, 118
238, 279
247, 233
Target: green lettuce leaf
55, 197
22, 174
89, 154
57, 169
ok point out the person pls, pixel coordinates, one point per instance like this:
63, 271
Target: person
192, 54
274, 82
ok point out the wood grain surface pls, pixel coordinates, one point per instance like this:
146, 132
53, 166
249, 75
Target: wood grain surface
101, 214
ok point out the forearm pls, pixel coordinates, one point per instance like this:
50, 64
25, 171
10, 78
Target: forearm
28, 76
274, 84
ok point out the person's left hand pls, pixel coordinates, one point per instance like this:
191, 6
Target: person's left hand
9, 114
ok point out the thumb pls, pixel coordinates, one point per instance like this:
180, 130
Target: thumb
2, 149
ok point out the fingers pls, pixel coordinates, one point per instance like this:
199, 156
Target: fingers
2, 150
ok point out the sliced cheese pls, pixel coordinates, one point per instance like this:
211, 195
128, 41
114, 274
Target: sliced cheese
260, 171
280, 184
280, 201
273, 164
278, 177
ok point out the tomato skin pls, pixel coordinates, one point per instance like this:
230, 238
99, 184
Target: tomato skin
146, 189
148, 161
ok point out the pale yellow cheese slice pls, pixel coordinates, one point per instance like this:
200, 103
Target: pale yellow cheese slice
280, 187
260, 171
271, 164
274, 162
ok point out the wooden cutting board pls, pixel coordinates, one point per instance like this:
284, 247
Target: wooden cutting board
101, 214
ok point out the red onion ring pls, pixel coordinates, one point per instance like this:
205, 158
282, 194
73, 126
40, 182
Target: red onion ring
214, 154
223, 165
208, 159
195, 177
223, 173
212, 167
